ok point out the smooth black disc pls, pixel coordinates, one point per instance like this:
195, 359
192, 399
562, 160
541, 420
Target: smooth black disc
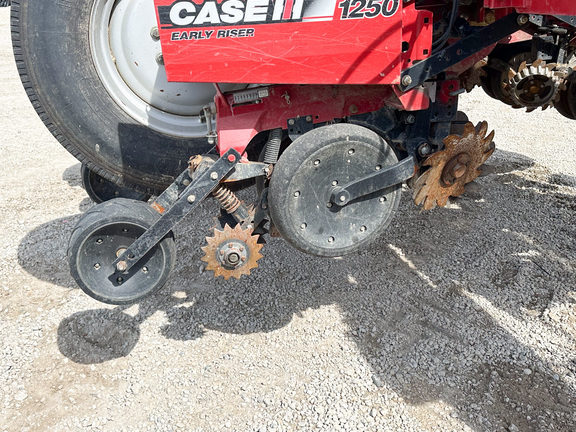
302, 182
101, 236
100, 189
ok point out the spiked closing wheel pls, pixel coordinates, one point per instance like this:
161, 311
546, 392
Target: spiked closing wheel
455, 166
232, 252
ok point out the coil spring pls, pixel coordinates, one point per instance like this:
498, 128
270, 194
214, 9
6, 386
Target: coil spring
228, 199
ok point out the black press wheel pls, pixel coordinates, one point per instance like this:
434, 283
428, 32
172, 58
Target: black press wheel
4, 3
100, 189
102, 234
302, 183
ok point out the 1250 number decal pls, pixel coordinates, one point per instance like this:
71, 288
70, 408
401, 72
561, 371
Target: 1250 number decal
357, 9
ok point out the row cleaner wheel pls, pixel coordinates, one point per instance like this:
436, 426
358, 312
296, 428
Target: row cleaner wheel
455, 166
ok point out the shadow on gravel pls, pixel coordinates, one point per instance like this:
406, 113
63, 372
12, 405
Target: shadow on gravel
445, 313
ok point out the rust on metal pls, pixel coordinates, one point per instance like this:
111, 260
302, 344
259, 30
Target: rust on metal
158, 207
455, 166
232, 252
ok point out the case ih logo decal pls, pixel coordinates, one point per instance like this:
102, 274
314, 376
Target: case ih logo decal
186, 14
210, 13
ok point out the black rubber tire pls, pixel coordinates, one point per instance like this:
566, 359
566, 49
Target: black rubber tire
285, 178
100, 189
100, 221
53, 56
492, 82
563, 104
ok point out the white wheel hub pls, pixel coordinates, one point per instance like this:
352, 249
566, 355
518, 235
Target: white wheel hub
127, 58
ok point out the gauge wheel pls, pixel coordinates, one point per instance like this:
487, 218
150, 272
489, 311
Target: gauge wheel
103, 234
299, 197
93, 71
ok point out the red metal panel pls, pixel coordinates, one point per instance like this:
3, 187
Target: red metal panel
291, 41
545, 7
238, 124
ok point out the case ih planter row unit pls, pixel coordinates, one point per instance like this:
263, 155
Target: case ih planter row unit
354, 98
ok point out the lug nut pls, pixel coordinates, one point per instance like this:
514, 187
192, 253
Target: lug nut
154, 33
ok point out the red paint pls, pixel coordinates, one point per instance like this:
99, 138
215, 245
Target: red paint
237, 125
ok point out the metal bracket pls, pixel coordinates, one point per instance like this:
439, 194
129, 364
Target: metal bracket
188, 200
567, 19
398, 173
299, 126
461, 50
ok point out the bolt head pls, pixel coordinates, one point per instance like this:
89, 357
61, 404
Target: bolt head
121, 266
231, 158
214, 176
407, 80
191, 198
342, 198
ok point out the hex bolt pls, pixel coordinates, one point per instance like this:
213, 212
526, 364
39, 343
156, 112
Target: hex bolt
121, 266
186, 182
317, 162
214, 176
303, 226
351, 151
99, 241
329, 205
411, 119
291, 122
160, 59
424, 149
406, 80
382, 199
342, 198
144, 269
378, 167
309, 119
363, 229
335, 183
155, 34
191, 198
523, 19
96, 266
119, 280
233, 258
330, 239
296, 194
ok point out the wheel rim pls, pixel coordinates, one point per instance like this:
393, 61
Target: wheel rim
126, 57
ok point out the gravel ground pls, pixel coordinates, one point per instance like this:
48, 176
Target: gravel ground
458, 319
